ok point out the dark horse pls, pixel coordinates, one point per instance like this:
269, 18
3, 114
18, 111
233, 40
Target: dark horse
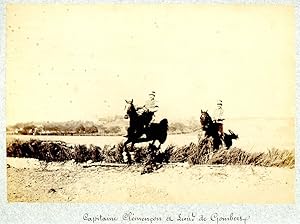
139, 125
211, 129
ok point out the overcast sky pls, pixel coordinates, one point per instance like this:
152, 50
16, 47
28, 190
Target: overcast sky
80, 62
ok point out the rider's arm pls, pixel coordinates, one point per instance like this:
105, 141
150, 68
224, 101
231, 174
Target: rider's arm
138, 108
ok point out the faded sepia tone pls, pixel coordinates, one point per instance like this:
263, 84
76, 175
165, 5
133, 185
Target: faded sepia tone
80, 62
88, 58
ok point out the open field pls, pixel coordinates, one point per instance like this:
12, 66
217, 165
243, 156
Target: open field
268, 177
223, 177
30, 180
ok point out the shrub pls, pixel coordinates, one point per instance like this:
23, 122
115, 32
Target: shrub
202, 153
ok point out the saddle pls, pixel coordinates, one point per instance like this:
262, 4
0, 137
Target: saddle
146, 118
144, 122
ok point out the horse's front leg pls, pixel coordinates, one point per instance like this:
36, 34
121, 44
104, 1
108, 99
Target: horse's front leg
217, 142
131, 150
126, 154
132, 145
221, 140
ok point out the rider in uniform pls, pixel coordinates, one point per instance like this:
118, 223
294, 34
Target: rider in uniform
150, 106
218, 117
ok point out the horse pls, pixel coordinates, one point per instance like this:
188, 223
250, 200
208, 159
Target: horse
211, 129
137, 123
228, 138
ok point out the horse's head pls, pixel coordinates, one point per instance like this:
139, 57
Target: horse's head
205, 119
130, 109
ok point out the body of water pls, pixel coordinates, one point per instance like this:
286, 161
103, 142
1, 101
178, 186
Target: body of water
254, 135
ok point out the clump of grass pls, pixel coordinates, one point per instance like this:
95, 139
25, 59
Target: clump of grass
96, 153
204, 154
200, 154
42, 150
113, 154
140, 154
235, 156
165, 156
179, 154
53, 151
279, 158
81, 153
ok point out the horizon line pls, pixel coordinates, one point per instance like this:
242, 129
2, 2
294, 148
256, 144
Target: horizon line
174, 119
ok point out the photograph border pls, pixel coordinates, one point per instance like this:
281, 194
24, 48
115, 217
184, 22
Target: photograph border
75, 212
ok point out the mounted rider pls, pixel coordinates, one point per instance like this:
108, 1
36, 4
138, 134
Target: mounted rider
149, 109
218, 117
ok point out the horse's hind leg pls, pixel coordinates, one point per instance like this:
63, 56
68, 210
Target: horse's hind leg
129, 155
153, 141
148, 164
159, 146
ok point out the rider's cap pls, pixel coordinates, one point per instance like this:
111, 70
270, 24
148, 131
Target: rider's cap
219, 102
152, 93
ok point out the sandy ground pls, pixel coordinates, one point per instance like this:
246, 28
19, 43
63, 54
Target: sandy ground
29, 180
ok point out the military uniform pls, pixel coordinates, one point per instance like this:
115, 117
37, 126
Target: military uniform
150, 105
218, 117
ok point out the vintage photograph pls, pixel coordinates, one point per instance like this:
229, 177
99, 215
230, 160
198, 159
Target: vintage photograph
150, 103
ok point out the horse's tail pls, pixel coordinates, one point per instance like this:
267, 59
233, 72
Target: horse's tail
234, 136
163, 130
164, 124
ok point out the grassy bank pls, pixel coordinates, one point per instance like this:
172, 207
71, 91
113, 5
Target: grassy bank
193, 154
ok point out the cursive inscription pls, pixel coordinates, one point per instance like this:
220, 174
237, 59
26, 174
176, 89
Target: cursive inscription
193, 217
190, 218
99, 218
130, 217
215, 217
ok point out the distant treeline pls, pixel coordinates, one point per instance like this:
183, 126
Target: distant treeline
64, 128
105, 126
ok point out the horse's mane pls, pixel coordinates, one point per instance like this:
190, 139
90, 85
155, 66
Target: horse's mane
207, 118
132, 107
